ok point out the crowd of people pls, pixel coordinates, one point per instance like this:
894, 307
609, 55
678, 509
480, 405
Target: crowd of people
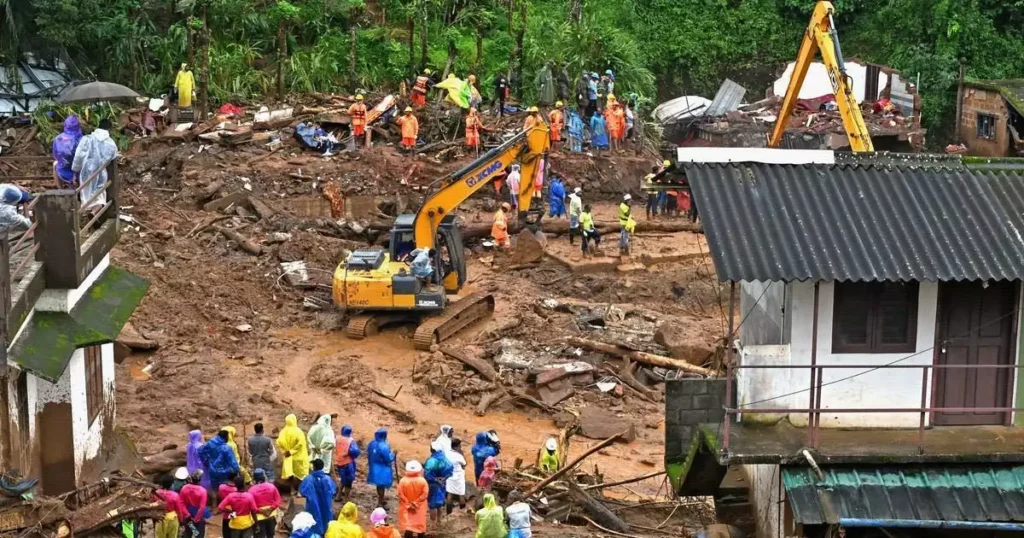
320, 466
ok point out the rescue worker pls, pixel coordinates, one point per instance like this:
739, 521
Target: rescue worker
475, 100
268, 500
556, 197
549, 456
652, 194
519, 516
379, 460
610, 81
420, 87
381, 529
583, 93
358, 114
499, 230
410, 129
490, 520
219, 459
174, 511
592, 103
481, 451
347, 524
575, 208
421, 265
575, 128
625, 213
346, 451
185, 85
318, 489
473, 127
321, 442
455, 486
616, 120
239, 509
532, 118
291, 444
589, 232
500, 93
194, 497
412, 501
603, 91
436, 471
557, 120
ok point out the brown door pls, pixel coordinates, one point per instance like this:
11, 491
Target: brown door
57, 448
975, 327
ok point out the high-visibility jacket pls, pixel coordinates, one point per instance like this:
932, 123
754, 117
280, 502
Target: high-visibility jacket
410, 126
421, 84
623, 213
358, 114
530, 121
587, 221
473, 124
557, 120
650, 180
341, 447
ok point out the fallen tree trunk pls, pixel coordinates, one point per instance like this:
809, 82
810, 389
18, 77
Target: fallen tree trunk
485, 401
571, 465
485, 370
640, 356
400, 413
163, 462
561, 226
242, 242
598, 511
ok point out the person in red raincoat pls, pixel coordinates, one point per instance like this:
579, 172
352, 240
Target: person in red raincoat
412, 501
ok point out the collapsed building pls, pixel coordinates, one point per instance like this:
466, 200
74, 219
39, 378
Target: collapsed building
890, 104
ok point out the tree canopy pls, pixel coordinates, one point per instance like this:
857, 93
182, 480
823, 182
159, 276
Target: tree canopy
657, 48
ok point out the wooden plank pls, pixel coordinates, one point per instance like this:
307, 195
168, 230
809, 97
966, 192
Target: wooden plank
481, 366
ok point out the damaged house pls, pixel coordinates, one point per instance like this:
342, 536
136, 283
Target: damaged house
872, 387
992, 117
890, 105
63, 304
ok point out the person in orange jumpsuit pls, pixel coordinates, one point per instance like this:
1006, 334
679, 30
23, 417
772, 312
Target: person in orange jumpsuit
532, 118
412, 501
557, 120
410, 128
473, 127
615, 117
358, 114
420, 87
499, 230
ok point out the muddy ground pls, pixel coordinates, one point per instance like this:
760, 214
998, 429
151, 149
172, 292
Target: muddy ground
240, 345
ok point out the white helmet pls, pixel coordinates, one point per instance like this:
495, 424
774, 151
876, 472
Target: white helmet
552, 444
577, 190
413, 466
627, 197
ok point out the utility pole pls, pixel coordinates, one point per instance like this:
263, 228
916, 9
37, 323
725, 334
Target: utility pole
960, 100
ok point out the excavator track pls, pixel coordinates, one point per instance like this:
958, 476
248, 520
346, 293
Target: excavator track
457, 316
361, 326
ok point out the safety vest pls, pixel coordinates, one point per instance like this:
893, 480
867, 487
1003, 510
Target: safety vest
421, 84
623, 213
650, 179
341, 446
587, 221
472, 123
555, 117
358, 114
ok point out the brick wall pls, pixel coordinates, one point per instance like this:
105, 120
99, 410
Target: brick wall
689, 402
982, 101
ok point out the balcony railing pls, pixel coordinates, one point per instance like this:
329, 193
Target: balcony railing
815, 409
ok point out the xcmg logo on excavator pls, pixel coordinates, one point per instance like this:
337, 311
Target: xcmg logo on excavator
483, 174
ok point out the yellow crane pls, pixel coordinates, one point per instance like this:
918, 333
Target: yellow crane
378, 286
821, 36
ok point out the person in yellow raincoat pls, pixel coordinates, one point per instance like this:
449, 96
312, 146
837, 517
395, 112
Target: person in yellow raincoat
185, 83
499, 230
234, 448
291, 443
346, 526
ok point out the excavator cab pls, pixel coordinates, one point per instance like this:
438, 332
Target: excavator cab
450, 259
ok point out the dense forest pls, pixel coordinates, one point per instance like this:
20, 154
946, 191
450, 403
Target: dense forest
657, 48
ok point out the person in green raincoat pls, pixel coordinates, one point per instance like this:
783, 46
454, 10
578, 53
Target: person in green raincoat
321, 442
545, 82
490, 520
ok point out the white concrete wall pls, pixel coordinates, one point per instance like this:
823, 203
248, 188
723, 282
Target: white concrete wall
765, 494
88, 435
892, 388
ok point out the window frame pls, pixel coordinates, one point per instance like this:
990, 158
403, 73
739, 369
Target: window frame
991, 124
873, 291
94, 386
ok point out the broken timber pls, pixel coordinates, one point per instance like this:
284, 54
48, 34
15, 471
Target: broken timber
598, 511
571, 465
640, 356
485, 370
242, 242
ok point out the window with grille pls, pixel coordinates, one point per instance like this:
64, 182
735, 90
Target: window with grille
93, 381
875, 317
986, 126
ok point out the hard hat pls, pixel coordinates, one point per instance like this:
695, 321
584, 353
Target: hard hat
181, 473
666, 163
428, 72
577, 190
413, 466
408, 109
559, 104
472, 78
608, 72
611, 96
359, 97
506, 206
552, 444
627, 197
533, 109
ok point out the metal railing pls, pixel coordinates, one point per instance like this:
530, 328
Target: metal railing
814, 409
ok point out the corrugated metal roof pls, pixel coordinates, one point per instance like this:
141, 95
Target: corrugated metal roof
980, 493
728, 98
852, 222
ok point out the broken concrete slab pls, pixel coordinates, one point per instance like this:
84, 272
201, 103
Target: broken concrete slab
597, 423
555, 392
561, 371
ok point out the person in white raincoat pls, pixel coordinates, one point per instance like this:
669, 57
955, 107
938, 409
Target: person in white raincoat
321, 442
444, 440
94, 152
455, 486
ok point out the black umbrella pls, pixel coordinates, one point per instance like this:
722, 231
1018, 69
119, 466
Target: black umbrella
92, 92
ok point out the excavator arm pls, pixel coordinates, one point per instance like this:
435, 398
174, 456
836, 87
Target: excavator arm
821, 36
527, 146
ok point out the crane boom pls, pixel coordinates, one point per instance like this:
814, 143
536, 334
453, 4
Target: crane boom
528, 146
821, 36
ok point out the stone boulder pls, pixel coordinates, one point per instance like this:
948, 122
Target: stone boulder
529, 247
684, 342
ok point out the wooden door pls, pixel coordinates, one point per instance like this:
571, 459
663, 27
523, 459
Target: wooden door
975, 327
57, 448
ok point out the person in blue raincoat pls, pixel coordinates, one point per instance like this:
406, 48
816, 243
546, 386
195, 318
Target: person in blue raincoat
219, 459
380, 460
482, 450
575, 125
599, 134
318, 489
437, 469
556, 198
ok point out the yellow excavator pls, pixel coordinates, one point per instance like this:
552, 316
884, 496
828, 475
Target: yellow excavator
377, 286
821, 36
